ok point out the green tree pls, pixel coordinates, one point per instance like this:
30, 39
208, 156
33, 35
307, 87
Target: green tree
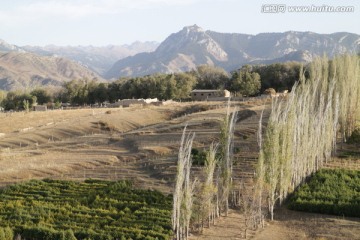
210, 77
245, 82
71, 91
9, 102
2, 97
226, 144
114, 90
18, 101
34, 101
77, 91
99, 94
170, 87
280, 76
42, 96
184, 85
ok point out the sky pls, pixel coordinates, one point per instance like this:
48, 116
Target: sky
104, 22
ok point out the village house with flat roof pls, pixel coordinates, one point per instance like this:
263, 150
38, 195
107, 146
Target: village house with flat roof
206, 94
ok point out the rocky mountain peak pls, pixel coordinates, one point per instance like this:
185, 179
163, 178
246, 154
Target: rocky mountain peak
192, 40
193, 28
6, 47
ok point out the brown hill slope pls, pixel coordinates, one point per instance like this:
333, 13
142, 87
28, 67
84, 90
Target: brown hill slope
19, 71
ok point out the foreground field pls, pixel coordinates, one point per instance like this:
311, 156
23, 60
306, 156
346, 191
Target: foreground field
90, 210
141, 144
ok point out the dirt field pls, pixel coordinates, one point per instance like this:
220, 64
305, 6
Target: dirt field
141, 144
287, 225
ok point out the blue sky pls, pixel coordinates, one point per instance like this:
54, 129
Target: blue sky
103, 22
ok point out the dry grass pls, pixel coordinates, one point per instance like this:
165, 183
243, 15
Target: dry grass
158, 150
54, 143
299, 225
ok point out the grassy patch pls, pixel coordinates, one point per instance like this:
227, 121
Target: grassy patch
51, 209
330, 191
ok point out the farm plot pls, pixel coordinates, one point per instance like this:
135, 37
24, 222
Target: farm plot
88, 210
330, 191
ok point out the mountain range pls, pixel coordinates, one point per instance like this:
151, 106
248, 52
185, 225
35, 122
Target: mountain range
28, 66
192, 46
98, 59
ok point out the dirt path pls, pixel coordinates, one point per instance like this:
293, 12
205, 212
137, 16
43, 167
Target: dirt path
300, 225
288, 225
230, 227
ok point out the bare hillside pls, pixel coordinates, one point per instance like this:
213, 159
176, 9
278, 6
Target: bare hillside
21, 71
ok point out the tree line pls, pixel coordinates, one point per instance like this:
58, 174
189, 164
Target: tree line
245, 81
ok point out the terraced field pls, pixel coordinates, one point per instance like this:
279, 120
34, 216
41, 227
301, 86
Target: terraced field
137, 144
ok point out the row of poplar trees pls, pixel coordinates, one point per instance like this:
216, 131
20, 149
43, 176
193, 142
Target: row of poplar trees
210, 196
302, 130
299, 137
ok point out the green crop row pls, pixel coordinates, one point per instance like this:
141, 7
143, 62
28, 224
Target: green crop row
54, 209
329, 191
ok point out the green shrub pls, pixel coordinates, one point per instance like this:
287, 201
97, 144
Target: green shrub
198, 157
2, 234
9, 234
331, 192
68, 235
6, 233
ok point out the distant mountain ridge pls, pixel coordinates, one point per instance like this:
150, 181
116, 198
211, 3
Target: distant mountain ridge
98, 59
6, 47
31, 66
192, 46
